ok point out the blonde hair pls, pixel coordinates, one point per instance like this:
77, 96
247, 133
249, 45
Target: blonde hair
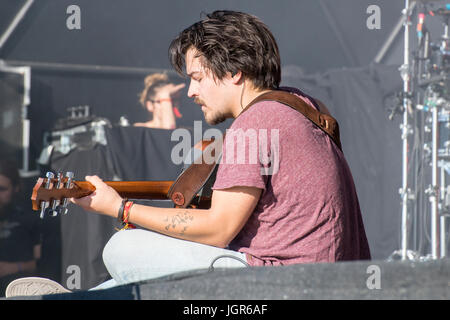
151, 83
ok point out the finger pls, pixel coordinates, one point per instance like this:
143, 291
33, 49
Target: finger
84, 203
175, 88
78, 202
179, 87
95, 180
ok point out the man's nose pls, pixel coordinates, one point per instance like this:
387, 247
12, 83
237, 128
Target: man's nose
192, 91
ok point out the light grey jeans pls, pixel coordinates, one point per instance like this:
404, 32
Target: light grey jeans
134, 255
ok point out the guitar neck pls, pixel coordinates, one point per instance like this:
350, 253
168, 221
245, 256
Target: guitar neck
150, 190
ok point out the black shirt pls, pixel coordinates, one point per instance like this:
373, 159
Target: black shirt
19, 233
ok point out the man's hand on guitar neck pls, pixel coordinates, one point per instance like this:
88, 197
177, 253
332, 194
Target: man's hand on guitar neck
104, 199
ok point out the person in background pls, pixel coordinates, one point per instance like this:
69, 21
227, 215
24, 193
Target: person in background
158, 97
20, 236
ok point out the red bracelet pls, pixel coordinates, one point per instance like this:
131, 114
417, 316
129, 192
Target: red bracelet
126, 216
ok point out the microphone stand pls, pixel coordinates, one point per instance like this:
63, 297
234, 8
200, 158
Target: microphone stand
442, 231
405, 191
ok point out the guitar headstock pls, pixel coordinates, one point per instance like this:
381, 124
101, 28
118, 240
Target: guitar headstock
51, 194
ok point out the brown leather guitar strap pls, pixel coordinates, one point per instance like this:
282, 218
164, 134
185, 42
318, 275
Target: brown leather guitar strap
324, 121
198, 177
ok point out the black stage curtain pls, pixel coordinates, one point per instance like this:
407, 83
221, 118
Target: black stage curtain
141, 153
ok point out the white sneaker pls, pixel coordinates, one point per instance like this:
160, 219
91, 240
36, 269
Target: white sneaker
33, 286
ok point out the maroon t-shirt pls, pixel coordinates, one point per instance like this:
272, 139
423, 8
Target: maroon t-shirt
308, 211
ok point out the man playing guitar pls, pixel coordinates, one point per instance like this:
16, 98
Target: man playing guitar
305, 211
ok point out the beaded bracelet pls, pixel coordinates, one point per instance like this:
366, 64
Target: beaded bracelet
126, 216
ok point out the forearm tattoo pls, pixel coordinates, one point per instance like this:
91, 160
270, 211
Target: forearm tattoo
179, 221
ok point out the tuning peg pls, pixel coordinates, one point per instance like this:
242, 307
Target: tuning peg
45, 204
69, 176
56, 203
63, 207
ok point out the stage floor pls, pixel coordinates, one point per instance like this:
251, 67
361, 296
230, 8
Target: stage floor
361, 280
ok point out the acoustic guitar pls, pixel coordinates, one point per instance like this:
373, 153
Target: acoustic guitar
191, 188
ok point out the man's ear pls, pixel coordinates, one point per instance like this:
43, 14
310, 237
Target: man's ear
236, 77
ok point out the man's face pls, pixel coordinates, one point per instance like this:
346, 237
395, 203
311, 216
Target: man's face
214, 96
6, 191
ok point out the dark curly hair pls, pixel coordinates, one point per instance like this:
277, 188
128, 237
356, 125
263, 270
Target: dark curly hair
230, 41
